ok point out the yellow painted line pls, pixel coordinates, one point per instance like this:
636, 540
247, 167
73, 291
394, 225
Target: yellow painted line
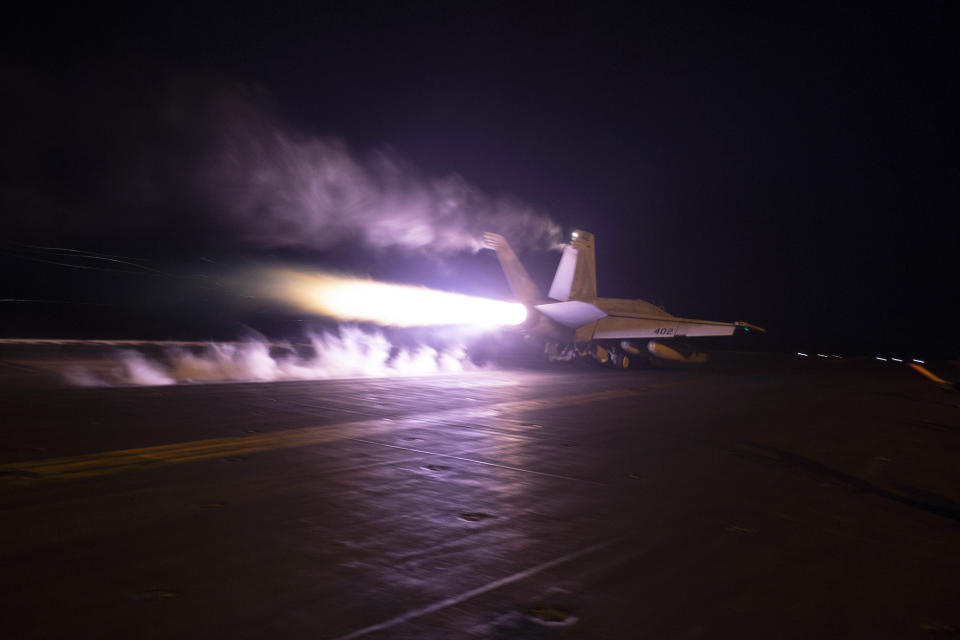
925, 372
108, 462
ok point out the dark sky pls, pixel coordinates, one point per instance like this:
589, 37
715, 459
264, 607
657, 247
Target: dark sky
797, 169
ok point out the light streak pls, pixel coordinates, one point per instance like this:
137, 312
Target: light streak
927, 373
919, 361
801, 354
383, 303
896, 359
881, 359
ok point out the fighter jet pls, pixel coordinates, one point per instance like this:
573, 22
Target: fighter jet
579, 324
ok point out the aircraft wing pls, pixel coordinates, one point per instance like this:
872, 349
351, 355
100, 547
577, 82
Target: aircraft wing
663, 327
577, 314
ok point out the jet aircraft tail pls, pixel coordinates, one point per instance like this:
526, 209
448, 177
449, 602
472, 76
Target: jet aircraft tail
576, 277
523, 286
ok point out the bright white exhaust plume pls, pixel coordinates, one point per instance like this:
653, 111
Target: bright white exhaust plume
349, 353
386, 304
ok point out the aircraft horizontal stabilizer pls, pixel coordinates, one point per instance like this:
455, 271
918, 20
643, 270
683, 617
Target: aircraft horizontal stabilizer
571, 314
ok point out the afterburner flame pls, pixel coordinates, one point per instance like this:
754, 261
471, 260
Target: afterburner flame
355, 299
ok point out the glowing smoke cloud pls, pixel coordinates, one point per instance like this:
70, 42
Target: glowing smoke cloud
386, 304
348, 353
279, 187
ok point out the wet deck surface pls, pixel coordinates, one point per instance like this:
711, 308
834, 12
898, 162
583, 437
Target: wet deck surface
764, 497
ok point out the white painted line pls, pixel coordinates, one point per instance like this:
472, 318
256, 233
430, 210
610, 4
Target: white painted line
490, 586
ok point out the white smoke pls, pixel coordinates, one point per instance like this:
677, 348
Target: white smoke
281, 188
212, 157
348, 353
138, 370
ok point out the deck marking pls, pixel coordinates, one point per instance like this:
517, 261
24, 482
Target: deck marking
109, 462
929, 374
474, 461
490, 586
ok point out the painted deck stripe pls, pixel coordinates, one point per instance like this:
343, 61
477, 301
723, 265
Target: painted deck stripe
929, 374
109, 462
490, 586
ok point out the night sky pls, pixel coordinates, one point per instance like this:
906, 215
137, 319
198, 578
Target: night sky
795, 169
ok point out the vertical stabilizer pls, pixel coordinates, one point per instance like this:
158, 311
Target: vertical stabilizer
523, 286
576, 277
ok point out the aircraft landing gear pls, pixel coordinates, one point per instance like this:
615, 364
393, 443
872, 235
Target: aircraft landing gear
619, 360
589, 352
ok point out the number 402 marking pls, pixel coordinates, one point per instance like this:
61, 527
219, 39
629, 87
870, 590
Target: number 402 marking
663, 331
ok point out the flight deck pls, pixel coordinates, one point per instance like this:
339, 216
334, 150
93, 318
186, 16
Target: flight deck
759, 496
